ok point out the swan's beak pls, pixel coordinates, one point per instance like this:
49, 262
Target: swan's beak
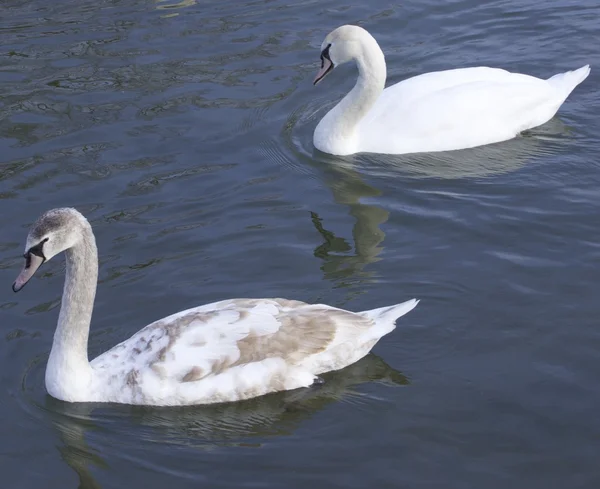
32, 263
326, 67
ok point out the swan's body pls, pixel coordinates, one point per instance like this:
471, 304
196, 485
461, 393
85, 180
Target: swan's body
226, 351
439, 111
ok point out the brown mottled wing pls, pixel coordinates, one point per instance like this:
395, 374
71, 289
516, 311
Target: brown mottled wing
305, 330
208, 340
299, 336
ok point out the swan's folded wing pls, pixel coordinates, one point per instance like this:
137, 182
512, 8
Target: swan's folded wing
209, 340
458, 116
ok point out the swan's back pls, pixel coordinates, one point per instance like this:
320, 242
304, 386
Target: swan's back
456, 109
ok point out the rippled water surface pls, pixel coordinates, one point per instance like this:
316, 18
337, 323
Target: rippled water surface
183, 130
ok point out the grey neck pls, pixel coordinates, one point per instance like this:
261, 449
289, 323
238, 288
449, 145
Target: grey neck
70, 347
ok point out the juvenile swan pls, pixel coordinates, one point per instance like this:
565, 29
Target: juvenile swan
226, 351
439, 111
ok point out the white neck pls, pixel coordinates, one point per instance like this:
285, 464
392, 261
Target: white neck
338, 128
68, 373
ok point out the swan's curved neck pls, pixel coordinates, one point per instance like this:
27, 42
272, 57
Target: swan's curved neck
68, 372
341, 122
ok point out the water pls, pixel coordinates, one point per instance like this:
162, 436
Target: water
183, 130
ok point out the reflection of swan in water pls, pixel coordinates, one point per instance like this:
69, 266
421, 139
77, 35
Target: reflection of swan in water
72, 423
200, 427
481, 162
272, 415
348, 188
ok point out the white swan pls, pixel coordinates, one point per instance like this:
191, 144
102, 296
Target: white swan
226, 351
439, 111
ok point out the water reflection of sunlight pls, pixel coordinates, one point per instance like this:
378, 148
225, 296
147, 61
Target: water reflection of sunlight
166, 6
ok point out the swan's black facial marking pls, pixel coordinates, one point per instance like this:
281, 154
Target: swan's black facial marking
325, 56
38, 249
326, 65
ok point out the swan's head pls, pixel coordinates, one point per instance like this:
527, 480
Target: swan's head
55, 231
341, 45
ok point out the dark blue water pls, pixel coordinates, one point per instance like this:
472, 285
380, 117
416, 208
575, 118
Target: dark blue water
184, 132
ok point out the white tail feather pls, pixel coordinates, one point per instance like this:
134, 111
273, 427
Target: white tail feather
391, 313
566, 82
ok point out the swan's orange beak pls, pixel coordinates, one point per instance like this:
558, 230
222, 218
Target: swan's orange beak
326, 67
32, 263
